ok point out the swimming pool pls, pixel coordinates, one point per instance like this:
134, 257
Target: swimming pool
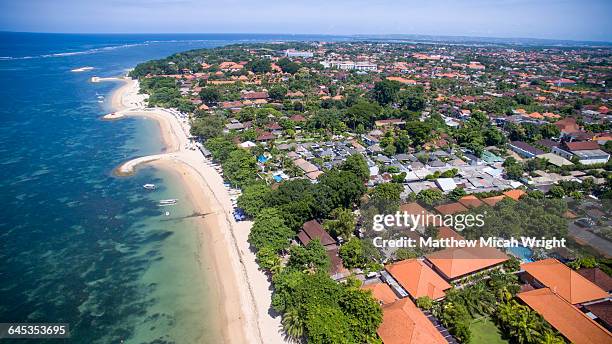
277, 178
521, 252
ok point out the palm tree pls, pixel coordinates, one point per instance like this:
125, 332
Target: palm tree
550, 337
526, 325
293, 325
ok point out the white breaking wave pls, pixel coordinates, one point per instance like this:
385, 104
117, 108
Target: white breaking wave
72, 53
113, 47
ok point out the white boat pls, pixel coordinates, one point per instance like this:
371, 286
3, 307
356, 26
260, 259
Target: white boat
165, 202
149, 186
82, 69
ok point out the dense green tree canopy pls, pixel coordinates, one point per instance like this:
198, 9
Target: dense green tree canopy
269, 229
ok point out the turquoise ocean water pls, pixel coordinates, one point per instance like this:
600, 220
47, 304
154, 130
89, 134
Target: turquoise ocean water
78, 245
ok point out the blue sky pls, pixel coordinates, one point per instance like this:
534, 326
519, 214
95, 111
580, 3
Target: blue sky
558, 19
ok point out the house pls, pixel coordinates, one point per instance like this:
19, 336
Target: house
524, 149
312, 230
298, 53
381, 292
454, 264
446, 184
574, 325
555, 159
254, 95
597, 277
515, 194
266, 136
231, 105
470, 201
601, 312
418, 279
386, 124
493, 200
566, 283
234, 125
587, 152
404, 323
428, 218
567, 126
451, 208
305, 166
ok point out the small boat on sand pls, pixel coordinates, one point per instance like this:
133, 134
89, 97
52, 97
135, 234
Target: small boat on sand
149, 186
165, 202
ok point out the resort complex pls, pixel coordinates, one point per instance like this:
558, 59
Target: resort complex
318, 141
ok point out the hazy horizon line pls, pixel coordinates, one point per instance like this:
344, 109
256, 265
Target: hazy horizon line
374, 35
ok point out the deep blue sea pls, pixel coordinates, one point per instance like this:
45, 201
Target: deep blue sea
77, 244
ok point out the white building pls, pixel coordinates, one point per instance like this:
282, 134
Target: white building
297, 53
350, 65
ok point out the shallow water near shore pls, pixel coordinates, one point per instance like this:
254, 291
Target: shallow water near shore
77, 244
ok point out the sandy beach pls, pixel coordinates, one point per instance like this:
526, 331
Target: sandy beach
244, 291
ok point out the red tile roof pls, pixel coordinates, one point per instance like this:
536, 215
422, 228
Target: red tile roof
404, 323
603, 310
381, 292
458, 262
584, 145
470, 201
492, 201
567, 319
515, 194
598, 277
451, 208
418, 279
313, 230
566, 282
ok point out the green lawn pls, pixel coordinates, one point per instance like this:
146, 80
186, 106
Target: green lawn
484, 331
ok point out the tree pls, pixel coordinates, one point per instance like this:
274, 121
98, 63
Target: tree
268, 259
210, 95
240, 168
220, 147
430, 196
337, 188
277, 92
356, 164
425, 302
364, 312
259, 66
328, 325
362, 114
387, 195
311, 257
549, 130
270, 230
413, 99
386, 91
404, 253
288, 66
419, 132
514, 169
342, 223
352, 254
207, 127
254, 198
457, 193
556, 191
293, 324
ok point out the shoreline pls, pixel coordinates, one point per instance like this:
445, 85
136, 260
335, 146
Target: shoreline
244, 291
